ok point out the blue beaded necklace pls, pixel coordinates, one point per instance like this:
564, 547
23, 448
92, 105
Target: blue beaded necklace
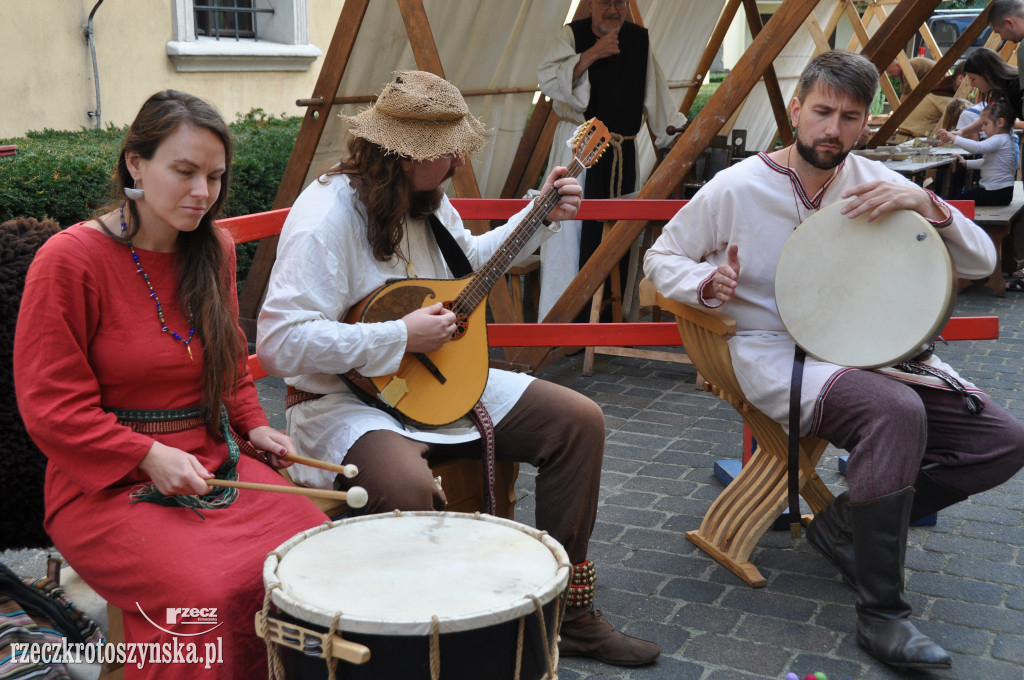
152, 294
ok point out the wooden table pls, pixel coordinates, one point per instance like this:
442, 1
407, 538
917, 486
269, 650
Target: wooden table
998, 223
916, 171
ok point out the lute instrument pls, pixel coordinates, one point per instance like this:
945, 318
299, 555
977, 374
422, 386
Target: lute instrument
439, 387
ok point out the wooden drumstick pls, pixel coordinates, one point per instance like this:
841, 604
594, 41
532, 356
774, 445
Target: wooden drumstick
349, 471
355, 497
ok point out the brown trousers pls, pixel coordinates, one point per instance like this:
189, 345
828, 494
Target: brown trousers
553, 428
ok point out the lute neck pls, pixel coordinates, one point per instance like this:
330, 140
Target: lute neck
501, 261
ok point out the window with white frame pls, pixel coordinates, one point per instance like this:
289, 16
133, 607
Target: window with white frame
241, 35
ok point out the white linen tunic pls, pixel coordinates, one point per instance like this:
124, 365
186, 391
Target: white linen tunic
757, 204
560, 255
324, 267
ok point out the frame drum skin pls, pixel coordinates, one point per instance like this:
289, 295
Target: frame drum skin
386, 576
864, 294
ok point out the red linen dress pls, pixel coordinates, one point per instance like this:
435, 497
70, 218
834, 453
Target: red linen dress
88, 340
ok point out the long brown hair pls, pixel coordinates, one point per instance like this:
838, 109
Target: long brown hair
203, 280
378, 178
988, 64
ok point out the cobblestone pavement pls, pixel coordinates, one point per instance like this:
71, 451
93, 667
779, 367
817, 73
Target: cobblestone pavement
965, 576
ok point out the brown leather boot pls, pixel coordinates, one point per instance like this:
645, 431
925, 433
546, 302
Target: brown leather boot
590, 635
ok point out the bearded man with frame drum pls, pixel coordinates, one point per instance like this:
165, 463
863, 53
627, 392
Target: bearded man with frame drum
917, 443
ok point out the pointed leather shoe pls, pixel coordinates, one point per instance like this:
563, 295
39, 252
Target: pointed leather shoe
590, 635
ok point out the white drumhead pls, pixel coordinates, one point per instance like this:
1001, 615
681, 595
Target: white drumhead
864, 294
389, 574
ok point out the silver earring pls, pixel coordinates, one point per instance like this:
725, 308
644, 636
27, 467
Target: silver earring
134, 193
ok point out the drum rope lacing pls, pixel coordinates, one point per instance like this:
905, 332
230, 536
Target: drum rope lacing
275, 667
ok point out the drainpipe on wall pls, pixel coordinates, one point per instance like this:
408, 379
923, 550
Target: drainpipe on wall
95, 68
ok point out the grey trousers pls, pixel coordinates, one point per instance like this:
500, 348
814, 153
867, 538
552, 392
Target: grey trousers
553, 428
892, 429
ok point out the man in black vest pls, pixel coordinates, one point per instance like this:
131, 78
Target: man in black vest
601, 66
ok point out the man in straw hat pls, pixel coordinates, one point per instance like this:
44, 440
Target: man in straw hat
920, 437
365, 221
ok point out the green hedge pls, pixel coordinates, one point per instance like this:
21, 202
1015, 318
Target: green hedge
66, 176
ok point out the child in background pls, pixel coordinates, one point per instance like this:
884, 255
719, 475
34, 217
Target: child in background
951, 115
999, 156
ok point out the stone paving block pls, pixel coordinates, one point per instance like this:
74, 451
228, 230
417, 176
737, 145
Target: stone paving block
633, 499
663, 487
766, 660
838, 618
630, 579
923, 560
990, 550
678, 420
693, 590
962, 565
1016, 599
619, 414
634, 606
631, 517
687, 561
1009, 648
777, 604
809, 587
666, 430
685, 513
706, 618
654, 539
788, 635
954, 638
664, 470
802, 562
696, 461
967, 589
994, 619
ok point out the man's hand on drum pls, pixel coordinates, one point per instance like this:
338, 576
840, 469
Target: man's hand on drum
274, 442
880, 197
570, 195
175, 472
428, 328
723, 284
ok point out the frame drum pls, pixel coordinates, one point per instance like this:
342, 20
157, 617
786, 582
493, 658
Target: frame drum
864, 294
480, 595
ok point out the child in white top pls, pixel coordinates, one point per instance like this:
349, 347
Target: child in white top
999, 156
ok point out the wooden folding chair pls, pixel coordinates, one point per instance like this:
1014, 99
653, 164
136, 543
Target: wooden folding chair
757, 496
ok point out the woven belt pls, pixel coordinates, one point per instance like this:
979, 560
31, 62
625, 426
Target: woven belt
179, 420
297, 396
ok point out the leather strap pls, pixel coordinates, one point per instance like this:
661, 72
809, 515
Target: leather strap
482, 419
794, 441
456, 260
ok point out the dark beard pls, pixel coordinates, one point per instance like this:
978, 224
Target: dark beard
808, 154
423, 203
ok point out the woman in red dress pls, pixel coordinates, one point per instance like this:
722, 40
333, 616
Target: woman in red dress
129, 369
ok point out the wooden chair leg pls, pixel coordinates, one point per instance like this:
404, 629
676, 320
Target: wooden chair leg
750, 503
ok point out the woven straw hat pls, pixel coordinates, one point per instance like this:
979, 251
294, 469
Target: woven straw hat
420, 116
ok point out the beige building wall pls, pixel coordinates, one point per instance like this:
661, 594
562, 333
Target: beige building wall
47, 79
